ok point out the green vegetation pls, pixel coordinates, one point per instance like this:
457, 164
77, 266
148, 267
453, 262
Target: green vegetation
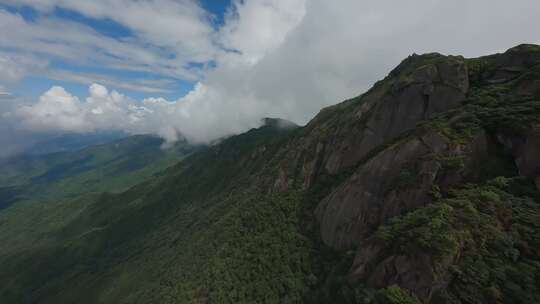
217, 231
426, 230
50, 191
494, 231
122, 163
133, 223
265, 258
499, 259
416, 62
395, 295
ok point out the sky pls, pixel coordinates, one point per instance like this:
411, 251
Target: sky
206, 69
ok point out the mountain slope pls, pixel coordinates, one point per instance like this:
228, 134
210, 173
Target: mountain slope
423, 189
134, 238
39, 194
72, 142
123, 163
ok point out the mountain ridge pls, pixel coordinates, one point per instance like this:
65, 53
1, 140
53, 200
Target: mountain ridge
421, 190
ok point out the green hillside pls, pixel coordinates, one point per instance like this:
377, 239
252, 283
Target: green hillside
113, 166
425, 189
40, 193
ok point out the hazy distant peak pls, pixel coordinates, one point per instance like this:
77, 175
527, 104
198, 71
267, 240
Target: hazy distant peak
278, 123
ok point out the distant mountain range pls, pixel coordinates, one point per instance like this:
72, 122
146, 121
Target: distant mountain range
425, 189
112, 166
72, 142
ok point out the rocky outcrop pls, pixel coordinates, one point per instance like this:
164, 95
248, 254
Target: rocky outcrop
502, 68
525, 149
398, 179
527, 155
413, 97
418, 273
348, 138
341, 136
351, 211
386, 162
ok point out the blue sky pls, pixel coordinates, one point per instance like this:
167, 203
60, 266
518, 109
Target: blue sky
34, 84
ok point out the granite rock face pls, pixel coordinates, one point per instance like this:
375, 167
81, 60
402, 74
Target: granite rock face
416, 273
385, 160
525, 149
399, 179
343, 135
411, 98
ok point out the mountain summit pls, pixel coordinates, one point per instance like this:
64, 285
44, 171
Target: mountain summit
425, 189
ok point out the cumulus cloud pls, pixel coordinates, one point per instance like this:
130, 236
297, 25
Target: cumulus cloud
203, 114
58, 110
189, 117
255, 28
284, 58
328, 52
338, 51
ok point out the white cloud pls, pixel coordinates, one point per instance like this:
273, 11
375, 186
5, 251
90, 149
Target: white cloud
331, 52
293, 57
156, 86
168, 35
336, 51
15, 66
79, 44
201, 115
254, 28
180, 25
58, 110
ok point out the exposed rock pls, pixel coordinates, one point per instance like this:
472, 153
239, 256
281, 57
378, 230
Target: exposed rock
529, 87
281, 183
372, 193
353, 129
519, 57
508, 66
528, 155
413, 273
526, 151
310, 167
418, 273
258, 152
398, 179
386, 164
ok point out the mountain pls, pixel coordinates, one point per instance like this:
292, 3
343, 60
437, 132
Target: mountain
72, 142
425, 189
38, 193
122, 163
41, 144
